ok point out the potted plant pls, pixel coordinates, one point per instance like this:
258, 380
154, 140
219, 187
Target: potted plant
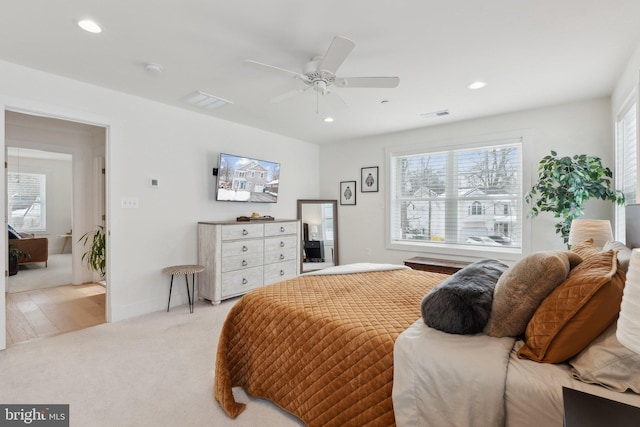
14, 258
95, 256
565, 183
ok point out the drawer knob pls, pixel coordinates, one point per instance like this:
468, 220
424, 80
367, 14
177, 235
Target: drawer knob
281, 256
282, 229
244, 281
245, 249
282, 272
244, 263
245, 232
282, 244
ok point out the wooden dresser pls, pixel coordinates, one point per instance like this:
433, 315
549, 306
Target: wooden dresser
241, 256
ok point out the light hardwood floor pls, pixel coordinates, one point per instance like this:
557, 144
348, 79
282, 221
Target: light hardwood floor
45, 312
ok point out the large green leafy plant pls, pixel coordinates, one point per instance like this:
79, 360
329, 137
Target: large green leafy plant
566, 183
95, 256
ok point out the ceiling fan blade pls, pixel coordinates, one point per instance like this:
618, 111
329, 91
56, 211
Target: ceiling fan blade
374, 82
340, 48
261, 65
287, 95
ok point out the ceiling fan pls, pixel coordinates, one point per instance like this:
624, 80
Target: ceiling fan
320, 72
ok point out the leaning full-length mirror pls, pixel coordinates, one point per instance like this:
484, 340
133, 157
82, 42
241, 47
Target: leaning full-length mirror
319, 220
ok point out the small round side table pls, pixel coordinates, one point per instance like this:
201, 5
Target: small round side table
186, 270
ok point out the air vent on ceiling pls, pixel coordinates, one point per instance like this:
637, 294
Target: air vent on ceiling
206, 101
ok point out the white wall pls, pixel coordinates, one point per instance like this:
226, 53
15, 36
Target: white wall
576, 128
180, 148
58, 195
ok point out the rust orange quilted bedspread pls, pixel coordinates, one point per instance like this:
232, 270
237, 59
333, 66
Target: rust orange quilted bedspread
321, 347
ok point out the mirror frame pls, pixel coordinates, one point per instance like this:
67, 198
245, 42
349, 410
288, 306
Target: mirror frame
334, 203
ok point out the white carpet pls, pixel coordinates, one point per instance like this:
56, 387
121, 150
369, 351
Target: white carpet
37, 276
156, 370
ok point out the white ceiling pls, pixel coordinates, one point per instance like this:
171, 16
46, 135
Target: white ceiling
531, 52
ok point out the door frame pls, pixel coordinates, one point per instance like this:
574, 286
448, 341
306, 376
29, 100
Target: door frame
55, 112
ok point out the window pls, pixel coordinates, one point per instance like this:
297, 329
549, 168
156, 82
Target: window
476, 208
626, 161
27, 201
461, 198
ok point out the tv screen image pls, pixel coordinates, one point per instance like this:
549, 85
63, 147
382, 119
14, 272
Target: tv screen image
243, 179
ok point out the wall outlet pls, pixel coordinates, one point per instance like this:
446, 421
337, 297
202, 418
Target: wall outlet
129, 203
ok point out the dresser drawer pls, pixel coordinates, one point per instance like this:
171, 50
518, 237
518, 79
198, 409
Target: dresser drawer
278, 229
281, 271
286, 254
242, 231
239, 262
240, 282
279, 243
242, 247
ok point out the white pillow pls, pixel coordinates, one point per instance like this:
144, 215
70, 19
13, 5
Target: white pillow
624, 253
608, 363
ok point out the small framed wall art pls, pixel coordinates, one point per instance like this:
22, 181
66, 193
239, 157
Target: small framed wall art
348, 192
369, 179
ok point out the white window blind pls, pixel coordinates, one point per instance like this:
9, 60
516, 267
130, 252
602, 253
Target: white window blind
462, 197
626, 162
26, 205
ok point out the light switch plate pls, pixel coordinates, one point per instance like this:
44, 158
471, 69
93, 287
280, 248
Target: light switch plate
129, 203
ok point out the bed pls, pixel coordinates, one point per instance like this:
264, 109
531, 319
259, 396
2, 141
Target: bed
347, 346
321, 346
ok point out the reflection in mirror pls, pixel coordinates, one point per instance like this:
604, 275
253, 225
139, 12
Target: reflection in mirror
319, 220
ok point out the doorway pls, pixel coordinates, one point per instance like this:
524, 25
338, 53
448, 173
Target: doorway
66, 160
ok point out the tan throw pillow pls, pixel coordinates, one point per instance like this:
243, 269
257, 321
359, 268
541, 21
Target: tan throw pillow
586, 249
608, 363
521, 289
576, 312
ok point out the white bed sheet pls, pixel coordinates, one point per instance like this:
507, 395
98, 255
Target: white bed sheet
442, 379
533, 395
453, 380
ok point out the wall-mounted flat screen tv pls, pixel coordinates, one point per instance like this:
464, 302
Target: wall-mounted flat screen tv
243, 179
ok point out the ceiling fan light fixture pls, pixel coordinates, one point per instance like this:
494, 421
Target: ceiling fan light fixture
476, 85
204, 100
90, 26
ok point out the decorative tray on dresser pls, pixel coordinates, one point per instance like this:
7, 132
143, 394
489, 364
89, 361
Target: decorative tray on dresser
241, 256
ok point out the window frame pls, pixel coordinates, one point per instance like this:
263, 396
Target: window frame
457, 250
619, 210
42, 201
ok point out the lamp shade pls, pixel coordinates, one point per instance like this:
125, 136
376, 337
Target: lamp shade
628, 332
314, 228
584, 229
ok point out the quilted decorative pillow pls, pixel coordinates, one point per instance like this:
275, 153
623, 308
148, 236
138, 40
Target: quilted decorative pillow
608, 363
576, 312
521, 289
462, 303
586, 249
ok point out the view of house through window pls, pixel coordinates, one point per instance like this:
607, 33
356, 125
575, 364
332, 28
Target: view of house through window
470, 196
26, 202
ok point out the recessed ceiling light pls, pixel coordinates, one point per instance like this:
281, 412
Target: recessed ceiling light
153, 68
328, 119
90, 26
439, 113
477, 85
